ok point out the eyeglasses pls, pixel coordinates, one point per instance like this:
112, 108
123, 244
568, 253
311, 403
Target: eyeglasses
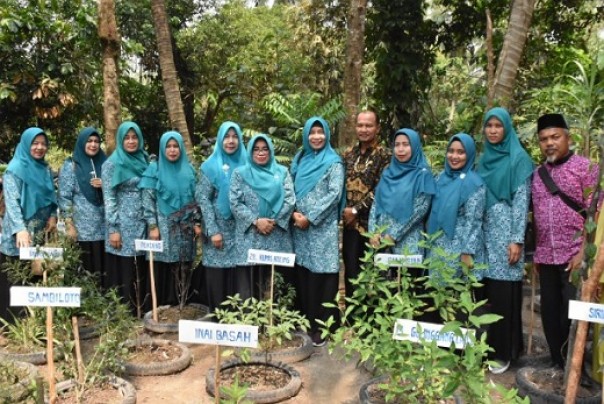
259, 150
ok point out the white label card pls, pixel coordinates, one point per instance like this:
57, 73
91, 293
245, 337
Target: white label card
201, 332
397, 260
271, 258
149, 245
585, 311
32, 253
44, 297
409, 330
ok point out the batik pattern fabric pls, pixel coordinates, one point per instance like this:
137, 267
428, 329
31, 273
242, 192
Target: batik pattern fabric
317, 247
557, 224
88, 219
245, 206
175, 230
124, 212
405, 235
468, 236
13, 221
214, 223
505, 224
363, 172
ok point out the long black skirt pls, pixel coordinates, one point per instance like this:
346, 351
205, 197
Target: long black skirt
314, 289
505, 336
93, 258
130, 277
220, 283
6, 312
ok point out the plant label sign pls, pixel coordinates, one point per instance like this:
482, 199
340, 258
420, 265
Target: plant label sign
270, 258
44, 296
585, 311
34, 253
417, 331
201, 332
149, 245
397, 260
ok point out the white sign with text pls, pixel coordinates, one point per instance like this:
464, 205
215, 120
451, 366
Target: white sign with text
585, 311
44, 296
33, 253
397, 260
410, 330
149, 245
201, 332
270, 258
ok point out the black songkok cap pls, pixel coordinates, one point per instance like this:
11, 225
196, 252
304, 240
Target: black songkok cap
551, 121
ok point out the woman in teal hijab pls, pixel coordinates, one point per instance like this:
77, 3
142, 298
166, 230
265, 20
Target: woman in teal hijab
458, 206
403, 195
171, 215
81, 199
219, 252
124, 217
506, 169
318, 173
262, 201
30, 203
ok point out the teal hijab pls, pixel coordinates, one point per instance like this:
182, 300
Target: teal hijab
506, 165
38, 190
220, 165
174, 181
453, 189
402, 182
128, 165
267, 180
309, 165
84, 166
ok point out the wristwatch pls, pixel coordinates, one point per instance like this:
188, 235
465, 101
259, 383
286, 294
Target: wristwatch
354, 211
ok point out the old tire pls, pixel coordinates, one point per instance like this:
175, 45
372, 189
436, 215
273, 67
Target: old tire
287, 355
365, 397
526, 388
262, 397
35, 358
161, 328
18, 392
159, 368
123, 386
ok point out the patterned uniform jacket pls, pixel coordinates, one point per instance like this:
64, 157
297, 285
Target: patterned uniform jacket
363, 172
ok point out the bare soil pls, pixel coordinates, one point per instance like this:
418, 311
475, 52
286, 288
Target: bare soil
257, 377
146, 354
172, 314
97, 395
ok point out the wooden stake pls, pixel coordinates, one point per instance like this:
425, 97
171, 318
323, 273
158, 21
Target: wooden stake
217, 377
270, 309
78, 351
52, 389
153, 292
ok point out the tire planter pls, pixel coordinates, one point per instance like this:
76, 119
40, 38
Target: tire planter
261, 397
35, 358
288, 355
526, 388
365, 397
123, 386
161, 328
18, 392
160, 368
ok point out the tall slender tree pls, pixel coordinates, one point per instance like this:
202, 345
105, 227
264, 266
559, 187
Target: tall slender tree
355, 46
168, 72
110, 41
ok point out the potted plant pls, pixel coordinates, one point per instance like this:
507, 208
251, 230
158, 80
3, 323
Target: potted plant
416, 371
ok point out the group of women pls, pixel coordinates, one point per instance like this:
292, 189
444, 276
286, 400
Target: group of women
481, 213
242, 198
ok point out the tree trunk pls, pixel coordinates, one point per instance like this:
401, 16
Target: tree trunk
168, 72
110, 41
511, 53
490, 61
355, 46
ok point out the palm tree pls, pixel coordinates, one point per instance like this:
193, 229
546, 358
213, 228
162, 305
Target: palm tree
168, 72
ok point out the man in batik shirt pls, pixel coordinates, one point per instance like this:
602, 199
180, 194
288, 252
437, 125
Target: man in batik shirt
559, 228
364, 165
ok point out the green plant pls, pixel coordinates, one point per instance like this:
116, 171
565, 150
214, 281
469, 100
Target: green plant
418, 371
276, 321
12, 383
235, 393
27, 333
